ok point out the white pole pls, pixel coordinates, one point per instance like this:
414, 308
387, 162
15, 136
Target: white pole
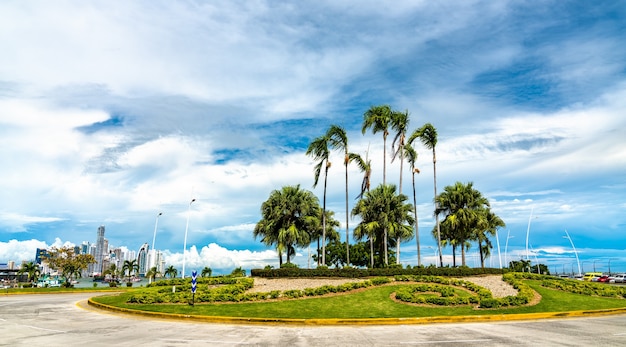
528, 231
498, 243
153, 251
185, 243
575, 253
506, 247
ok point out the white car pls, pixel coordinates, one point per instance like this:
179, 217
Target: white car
619, 278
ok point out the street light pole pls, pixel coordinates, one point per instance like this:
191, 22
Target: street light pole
506, 246
185, 243
498, 244
528, 230
575, 253
153, 260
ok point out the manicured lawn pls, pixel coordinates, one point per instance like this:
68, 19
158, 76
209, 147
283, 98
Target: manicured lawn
370, 303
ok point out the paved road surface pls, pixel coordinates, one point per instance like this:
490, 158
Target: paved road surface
55, 320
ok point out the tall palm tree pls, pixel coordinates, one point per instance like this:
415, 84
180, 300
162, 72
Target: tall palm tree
399, 123
428, 136
318, 149
339, 140
411, 157
487, 225
365, 166
462, 206
383, 210
171, 271
378, 118
288, 216
130, 266
31, 269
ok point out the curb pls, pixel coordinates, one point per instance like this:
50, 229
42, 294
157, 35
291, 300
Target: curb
361, 321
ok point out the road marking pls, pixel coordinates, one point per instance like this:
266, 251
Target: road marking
443, 341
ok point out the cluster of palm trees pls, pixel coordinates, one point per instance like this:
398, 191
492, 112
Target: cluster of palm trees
131, 268
292, 217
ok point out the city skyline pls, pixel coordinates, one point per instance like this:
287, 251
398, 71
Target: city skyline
111, 113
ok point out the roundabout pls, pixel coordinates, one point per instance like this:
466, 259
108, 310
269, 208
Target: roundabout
62, 320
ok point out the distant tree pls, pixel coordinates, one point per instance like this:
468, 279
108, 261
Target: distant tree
68, 263
238, 272
153, 273
206, 272
112, 271
131, 267
171, 272
31, 269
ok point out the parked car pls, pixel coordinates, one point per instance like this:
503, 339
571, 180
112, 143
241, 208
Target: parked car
603, 279
592, 276
619, 278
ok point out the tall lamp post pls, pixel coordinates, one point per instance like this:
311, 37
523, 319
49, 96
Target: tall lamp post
575, 253
506, 246
185, 243
153, 260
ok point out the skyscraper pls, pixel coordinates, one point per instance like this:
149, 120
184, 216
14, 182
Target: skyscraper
142, 259
101, 252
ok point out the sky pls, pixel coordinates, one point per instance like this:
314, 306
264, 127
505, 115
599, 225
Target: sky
112, 112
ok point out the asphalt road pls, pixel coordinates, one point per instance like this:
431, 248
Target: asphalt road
57, 320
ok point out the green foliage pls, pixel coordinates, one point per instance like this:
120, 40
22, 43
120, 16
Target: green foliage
238, 272
68, 263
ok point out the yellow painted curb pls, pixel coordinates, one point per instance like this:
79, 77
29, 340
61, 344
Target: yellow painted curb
362, 321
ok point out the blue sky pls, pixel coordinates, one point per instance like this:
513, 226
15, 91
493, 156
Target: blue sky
113, 112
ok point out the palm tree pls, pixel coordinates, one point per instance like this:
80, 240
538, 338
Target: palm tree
487, 225
378, 119
339, 140
112, 270
130, 266
383, 210
31, 269
288, 216
206, 272
428, 136
171, 272
399, 123
152, 273
411, 157
365, 166
462, 206
318, 149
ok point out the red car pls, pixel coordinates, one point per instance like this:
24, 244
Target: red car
603, 278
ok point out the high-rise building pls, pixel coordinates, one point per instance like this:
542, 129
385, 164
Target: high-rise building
40, 255
142, 259
101, 252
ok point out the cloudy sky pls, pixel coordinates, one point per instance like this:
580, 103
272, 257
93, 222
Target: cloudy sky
111, 112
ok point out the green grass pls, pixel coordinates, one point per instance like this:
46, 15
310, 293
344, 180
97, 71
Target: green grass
370, 303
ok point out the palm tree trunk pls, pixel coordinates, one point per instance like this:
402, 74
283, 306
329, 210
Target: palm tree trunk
417, 235
480, 251
324, 217
463, 253
436, 207
346, 160
371, 253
